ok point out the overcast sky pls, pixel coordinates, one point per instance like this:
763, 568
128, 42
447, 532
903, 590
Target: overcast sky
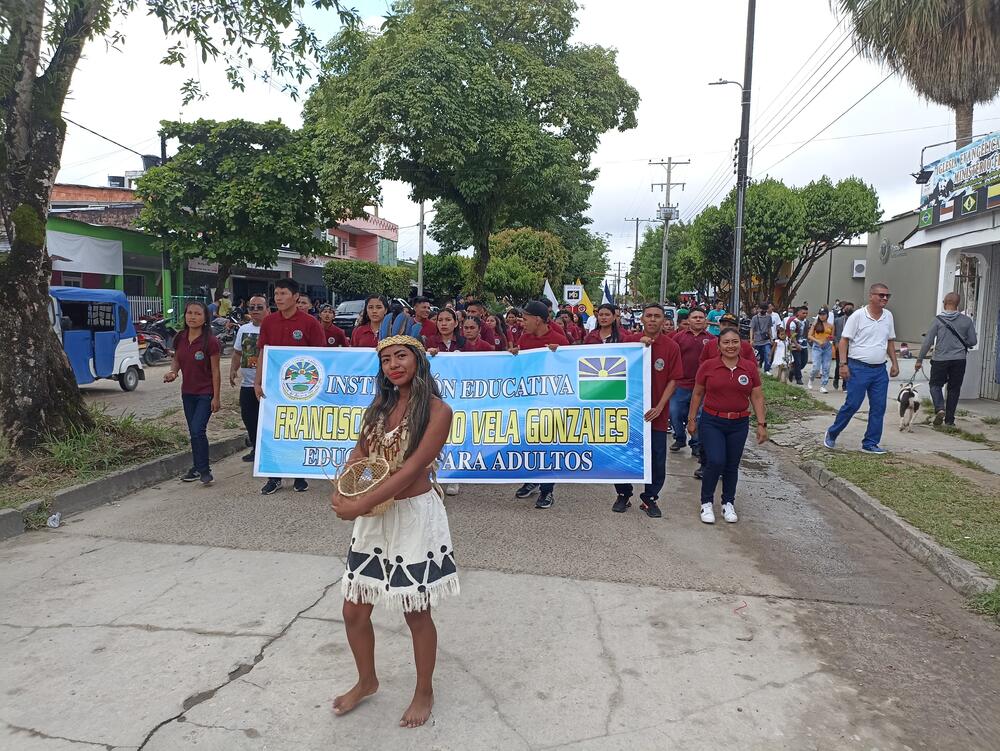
668, 49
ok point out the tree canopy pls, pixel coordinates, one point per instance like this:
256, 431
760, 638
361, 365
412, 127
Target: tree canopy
484, 103
234, 193
356, 279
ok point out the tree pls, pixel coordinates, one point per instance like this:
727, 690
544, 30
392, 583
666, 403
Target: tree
40, 45
234, 193
946, 50
541, 252
588, 257
355, 279
833, 215
484, 103
512, 278
445, 276
686, 269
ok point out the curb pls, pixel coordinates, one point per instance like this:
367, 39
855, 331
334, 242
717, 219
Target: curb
964, 577
116, 485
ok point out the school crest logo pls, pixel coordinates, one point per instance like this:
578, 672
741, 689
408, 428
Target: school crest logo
331, 340
659, 364
199, 355
744, 379
301, 378
297, 335
602, 378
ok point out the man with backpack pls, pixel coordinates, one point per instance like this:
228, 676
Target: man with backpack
953, 334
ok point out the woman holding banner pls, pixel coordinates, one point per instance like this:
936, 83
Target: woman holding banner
403, 557
446, 339
365, 334
499, 327
608, 330
728, 385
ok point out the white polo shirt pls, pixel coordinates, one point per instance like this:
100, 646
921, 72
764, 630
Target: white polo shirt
869, 338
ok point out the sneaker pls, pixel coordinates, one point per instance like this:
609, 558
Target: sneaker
874, 450
828, 441
191, 476
699, 473
707, 514
300, 485
823, 390
729, 513
545, 500
248, 457
651, 509
939, 417
206, 478
622, 504
273, 485
676, 446
451, 489
809, 384
525, 490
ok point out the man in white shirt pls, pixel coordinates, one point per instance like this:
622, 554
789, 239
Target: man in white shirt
244, 365
869, 338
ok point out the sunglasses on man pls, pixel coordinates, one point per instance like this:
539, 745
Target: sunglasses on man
883, 295
255, 307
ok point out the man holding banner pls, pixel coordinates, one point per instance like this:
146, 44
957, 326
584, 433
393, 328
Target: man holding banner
665, 371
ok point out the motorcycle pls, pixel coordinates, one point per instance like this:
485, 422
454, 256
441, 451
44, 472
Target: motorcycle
154, 349
224, 329
155, 323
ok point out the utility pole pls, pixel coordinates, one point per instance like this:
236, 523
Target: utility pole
420, 253
666, 214
635, 252
741, 166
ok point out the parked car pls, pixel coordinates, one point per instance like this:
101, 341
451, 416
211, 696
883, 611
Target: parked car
97, 334
347, 314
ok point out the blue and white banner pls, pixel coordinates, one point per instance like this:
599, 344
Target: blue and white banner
573, 415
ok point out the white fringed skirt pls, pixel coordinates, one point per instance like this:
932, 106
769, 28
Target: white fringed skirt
403, 558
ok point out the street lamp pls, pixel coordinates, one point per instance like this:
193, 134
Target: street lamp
741, 160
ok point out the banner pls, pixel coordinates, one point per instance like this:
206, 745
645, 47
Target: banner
963, 183
573, 415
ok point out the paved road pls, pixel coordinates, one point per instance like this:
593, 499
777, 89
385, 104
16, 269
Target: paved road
185, 617
150, 399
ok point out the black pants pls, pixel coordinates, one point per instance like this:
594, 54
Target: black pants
250, 412
800, 358
950, 373
652, 491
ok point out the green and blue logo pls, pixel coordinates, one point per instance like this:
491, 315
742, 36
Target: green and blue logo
602, 379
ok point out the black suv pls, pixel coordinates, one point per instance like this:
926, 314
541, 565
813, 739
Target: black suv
347, 315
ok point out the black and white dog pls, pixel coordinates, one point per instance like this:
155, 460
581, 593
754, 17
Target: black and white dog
909, 404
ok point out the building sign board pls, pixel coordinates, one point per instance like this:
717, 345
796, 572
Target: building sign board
963, 183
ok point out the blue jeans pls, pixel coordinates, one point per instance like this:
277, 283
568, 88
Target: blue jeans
821, 362
197, 410
659, 476
866, 380
722, 443
680, 403
763, 355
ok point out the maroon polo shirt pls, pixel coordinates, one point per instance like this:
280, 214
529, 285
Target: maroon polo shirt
594, 337
479, 345
513, 334
298, 330
727, 390
665, 362
363, 336
552, 336
335, 336
499, 341
428, 328
691, 346
436, 342
195, 360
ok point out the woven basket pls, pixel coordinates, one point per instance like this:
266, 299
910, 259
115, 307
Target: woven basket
359, 477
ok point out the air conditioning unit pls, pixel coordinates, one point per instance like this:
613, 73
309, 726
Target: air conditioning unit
858, 269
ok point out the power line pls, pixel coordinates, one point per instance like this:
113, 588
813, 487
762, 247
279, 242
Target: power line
101, 135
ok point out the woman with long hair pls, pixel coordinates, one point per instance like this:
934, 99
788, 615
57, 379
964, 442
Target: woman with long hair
499, 328
403, 558
447, 338
196, 358
365, 334
821, 341
565, 322
729, 385
514, 320
608, 331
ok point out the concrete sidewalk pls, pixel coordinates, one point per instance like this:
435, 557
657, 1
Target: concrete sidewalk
189, 617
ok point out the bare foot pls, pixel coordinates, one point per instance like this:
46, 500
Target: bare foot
360, 691
419, 710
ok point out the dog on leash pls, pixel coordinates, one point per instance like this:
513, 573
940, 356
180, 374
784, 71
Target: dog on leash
909, 404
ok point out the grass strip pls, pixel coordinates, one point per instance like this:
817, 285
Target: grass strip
63, 461
786, 402
960, 514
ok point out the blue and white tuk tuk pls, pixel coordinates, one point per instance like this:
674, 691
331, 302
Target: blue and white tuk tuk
97, 333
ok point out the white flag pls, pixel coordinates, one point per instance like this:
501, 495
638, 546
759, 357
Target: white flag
547, 292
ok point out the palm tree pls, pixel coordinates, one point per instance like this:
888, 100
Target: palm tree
948, 50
